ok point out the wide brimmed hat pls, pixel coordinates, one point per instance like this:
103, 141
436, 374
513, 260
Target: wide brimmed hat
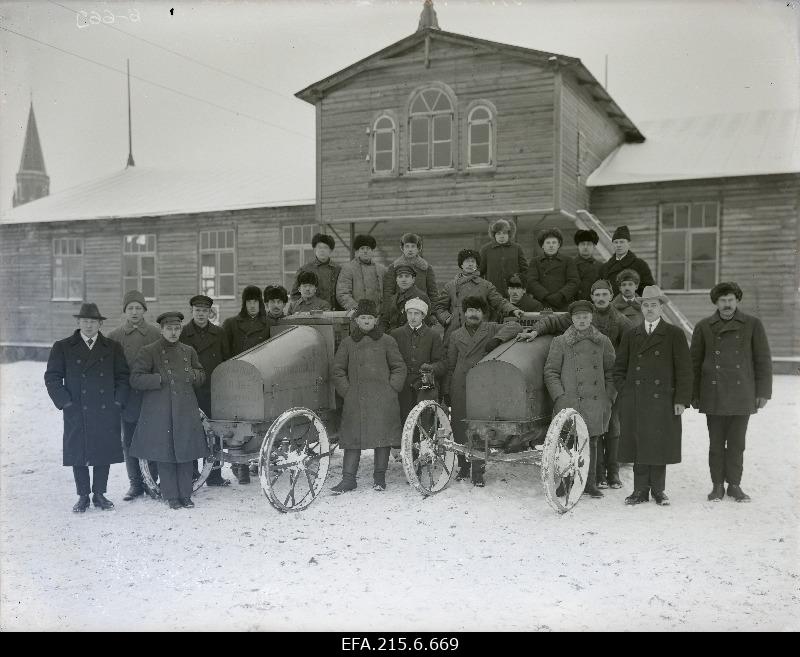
653, 292
89, 311
170, 317
417, 304
581, 306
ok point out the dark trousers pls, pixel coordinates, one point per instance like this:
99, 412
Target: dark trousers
132, 463
649, 477
726, 435
352, 457
176, 480
100, 477
607, 465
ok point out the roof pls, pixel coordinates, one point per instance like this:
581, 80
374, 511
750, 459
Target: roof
32, 158
146, 192
539, 57
712, 146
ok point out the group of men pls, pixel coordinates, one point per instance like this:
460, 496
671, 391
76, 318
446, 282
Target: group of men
616, 361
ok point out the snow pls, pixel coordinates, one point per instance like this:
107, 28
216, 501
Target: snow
496, 558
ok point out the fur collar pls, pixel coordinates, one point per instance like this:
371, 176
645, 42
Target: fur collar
572, 335
375, 333
418, 262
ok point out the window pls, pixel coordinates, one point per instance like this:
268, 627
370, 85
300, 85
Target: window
383, 145
431, 131
218, 263
689, 242
68, 268
481, 137
139, 265
297, 250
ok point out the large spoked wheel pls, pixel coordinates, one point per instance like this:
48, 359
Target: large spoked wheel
293, 461
428, 465
565, 460
149, 480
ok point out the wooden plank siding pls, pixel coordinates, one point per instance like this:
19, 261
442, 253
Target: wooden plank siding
759, 242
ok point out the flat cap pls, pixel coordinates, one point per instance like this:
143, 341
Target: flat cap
170, 317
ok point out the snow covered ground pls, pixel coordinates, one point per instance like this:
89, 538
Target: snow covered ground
496, 558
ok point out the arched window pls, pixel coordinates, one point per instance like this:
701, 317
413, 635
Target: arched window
383, 145
480, 130
430, 131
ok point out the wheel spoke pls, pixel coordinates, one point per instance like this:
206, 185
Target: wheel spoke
291, 489
310, 484
430, 475
422, 429
444, 465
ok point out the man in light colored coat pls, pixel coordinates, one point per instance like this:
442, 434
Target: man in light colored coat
362, 277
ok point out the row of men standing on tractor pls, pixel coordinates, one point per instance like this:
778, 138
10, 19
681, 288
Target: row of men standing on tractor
393, 354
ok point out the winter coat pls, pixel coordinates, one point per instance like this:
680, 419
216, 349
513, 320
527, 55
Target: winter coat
553, 280
499, 261
359, 281
243, 332
327, 275
90, 387
732, 364
651, 374
630, 309
212, 349
612, 267
368, 373
417, 348
132, 338
425, 280
448, 305
464, 351
300, 305
588, 273
528, 304
169, 428
611, 324
393, 313
579, 374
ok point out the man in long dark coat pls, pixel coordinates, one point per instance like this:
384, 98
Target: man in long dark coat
212, 349
552, 277
732, 380
87, 379
502, 256
250, 326
588, 268
653, 374
327, 272
169, 430
624, 258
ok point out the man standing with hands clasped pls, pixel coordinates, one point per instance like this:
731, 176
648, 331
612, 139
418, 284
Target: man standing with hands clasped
732, 380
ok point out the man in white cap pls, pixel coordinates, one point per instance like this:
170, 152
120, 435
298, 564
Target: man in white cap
653, 375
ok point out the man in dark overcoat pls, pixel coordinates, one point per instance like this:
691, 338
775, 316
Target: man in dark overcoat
732, 380
516, 294
626, 301
133, 334
169, 430
552, 277
87, 379
327, 272
653, 374
624, 258
588, 268
502, 256
410, 255
393, 313
250, 326
212, 349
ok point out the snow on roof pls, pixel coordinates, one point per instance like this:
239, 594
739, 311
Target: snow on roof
712, 146
146, 192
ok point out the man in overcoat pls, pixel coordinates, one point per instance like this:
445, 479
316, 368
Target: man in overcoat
624, 258
424, 276
87, 379
552, 277
362, 277
519, 298
212, 350
133, 334
732, 380
327, 272
468, 345
309, 299
393, 313
169, 430
653, 375
368, 373
502, 256
250, 326
626, 301
588, 268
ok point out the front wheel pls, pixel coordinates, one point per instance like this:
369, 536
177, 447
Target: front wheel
428, 464
565, 460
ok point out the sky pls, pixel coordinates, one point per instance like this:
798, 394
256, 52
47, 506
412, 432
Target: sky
213, 83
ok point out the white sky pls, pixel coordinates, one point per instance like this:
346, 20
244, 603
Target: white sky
666, 59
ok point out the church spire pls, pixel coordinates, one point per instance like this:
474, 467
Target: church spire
427, 18
32, 179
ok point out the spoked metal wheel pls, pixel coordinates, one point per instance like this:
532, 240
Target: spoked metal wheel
154, 490
429, 467
565, 460
293, 461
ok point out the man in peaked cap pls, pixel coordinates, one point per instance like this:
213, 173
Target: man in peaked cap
517, 295
393, 311
87, 379
624, 258
588, 268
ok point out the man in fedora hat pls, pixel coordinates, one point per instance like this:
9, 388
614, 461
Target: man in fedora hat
133, 334
87, 379
653, 374
588, 268
624, 258
732, 380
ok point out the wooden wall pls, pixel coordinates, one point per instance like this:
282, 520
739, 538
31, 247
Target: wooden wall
759, 242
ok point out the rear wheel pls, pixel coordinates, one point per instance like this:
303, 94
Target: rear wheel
565, 460
428, 464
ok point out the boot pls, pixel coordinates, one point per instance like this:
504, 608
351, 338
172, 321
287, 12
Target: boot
600, 465
216, 478
478, 468
134, 492
350, 462
101, 502
735, 491
591, 489
242, 473
82, 504
612, 466
463, 468
717, 493
381, 465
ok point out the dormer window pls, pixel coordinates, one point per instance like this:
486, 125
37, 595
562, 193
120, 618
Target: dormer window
430, 129
384, 145
480, 130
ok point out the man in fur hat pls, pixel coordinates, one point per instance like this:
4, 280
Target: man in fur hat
424, 276
362, 277
393, 313
327, 272
732, 380
275, 299
309, 299
250, 326
624, 258
133, 334
588, 268
552, 278
502, 256
627, 301
87, 379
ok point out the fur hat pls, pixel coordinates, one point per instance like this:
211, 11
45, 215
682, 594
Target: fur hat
551, 232
89, 311
417, 304
405, 269
515, 280
275, 292
629, 275
325, 239
475, 302
463, 254
306, 278
622, 233
586, 236
581, 306
721, 289
504, 225
130, 297
364, 240
251, 293
366, 307
602, 284
411, 238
